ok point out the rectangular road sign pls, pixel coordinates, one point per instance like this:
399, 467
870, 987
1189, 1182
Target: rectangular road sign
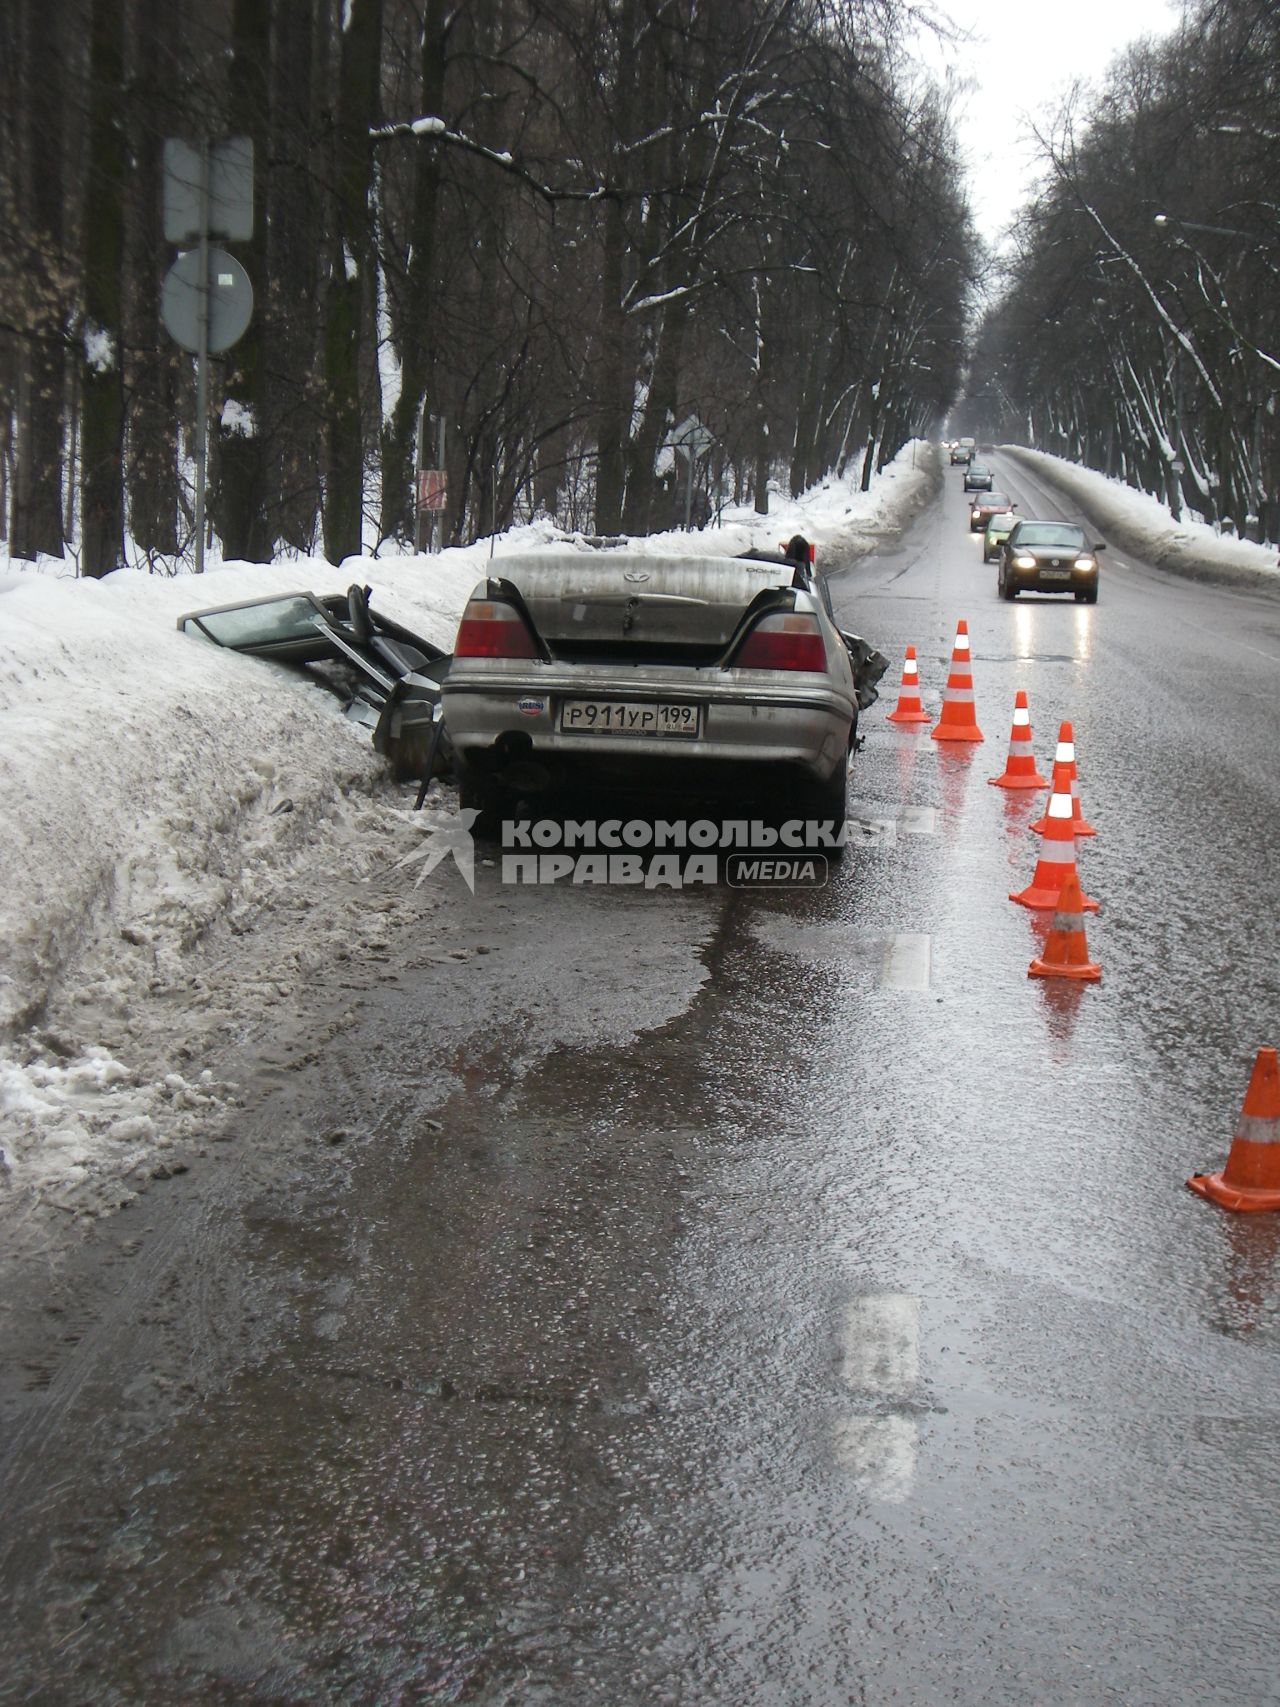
432, 489
230, 206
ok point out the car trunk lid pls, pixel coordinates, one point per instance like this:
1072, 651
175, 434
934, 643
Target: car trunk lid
629, 608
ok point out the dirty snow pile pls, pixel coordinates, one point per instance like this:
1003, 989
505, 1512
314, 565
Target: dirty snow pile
161, 800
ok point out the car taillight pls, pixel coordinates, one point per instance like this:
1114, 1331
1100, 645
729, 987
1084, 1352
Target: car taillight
492, 629
785, 641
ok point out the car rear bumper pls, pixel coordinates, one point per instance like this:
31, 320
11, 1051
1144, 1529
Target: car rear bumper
498, 713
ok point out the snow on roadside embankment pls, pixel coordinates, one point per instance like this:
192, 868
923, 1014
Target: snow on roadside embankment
160, 799
1144, 526
156, 794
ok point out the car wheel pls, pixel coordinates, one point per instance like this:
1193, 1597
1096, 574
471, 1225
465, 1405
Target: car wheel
1088, 597
477, 793
825, 802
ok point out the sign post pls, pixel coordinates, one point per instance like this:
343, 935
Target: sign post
206, 301
692, 441
432, 483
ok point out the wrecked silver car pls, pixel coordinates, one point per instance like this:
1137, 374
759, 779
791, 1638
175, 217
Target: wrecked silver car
657, 673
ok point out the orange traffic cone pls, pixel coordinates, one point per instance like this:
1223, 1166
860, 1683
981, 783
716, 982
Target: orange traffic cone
956, 719
1020, 767
1065, 754
909, 708
1065, 953
1057, 859
1251, 1178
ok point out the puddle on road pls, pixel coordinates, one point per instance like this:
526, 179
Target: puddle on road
447, 1479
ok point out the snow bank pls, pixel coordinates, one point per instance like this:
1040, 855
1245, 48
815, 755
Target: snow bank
1145, 526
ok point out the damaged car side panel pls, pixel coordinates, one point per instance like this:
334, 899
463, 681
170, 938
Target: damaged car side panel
388, 677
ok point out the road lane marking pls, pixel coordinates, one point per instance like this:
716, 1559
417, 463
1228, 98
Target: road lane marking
880, 1344
879, 1347
907, 960
879, 1453
902, 962
870, 822
872, 832
919, 820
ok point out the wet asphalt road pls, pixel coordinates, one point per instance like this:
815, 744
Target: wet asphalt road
769, 1298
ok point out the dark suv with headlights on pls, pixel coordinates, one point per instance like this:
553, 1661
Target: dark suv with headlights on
1049, 557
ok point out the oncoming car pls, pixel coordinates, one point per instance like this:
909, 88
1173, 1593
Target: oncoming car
985, 505
1049, 557
978, 478
999, 527
657, 675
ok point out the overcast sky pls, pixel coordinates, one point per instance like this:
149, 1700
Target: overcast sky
1023, 56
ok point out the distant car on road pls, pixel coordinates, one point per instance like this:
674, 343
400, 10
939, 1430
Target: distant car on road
961, 453
998, 529
656, 675
986, 505
1049, 557
978, 478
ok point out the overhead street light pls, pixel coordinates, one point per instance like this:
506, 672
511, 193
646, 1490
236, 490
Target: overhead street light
1166, 219
1248, 130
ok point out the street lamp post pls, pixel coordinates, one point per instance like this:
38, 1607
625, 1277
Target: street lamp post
1163, 220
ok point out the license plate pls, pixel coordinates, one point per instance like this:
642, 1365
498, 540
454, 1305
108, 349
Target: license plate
1056, 574
629, 717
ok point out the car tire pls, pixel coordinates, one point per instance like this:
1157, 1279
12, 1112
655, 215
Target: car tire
1088, 597
827, 801
477, 793
1003, 588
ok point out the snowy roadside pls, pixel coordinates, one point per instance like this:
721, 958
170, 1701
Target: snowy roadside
1145, 526
185, 833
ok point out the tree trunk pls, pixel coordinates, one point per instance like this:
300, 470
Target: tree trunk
291, 220
151, 448
240, 501
615, 379
41, 359
412, 308
102, 389
350, 281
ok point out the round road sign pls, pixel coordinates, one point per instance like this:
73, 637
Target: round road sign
230, 297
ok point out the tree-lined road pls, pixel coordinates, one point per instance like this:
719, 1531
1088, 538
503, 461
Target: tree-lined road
774, 1298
